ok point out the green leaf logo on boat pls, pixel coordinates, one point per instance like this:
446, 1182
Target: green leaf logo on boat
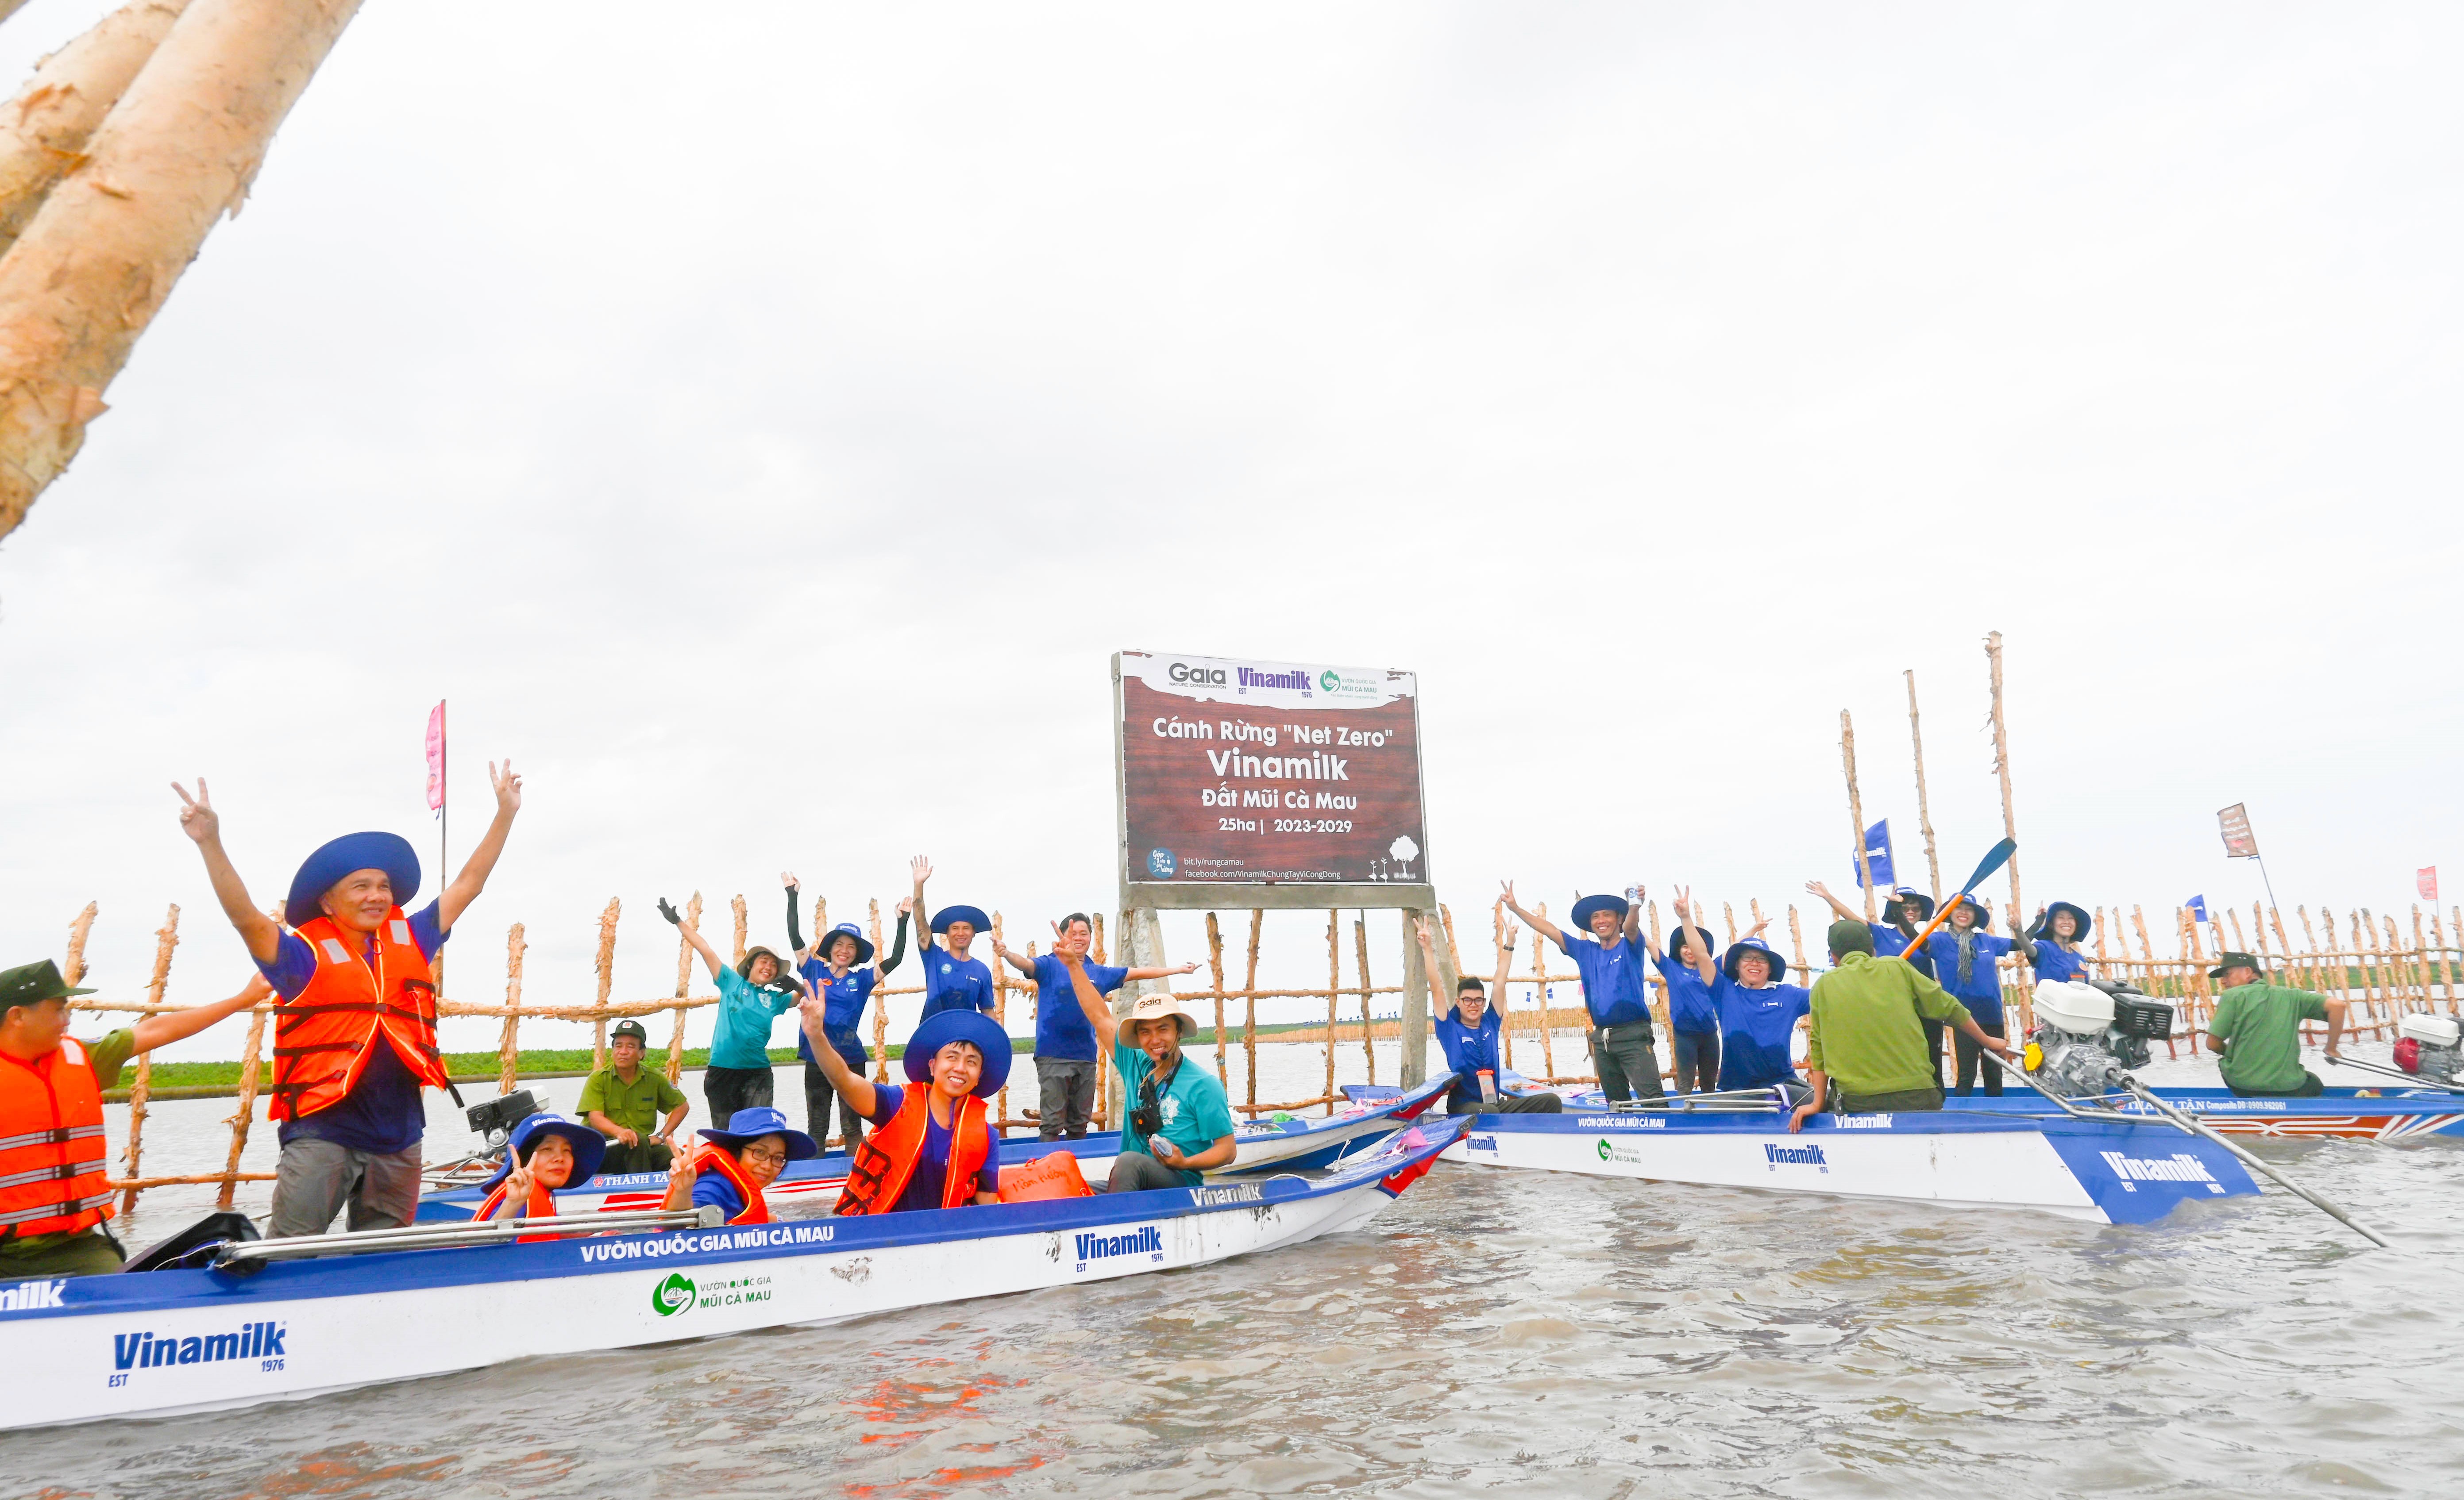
1329, 681
1604, 1150
673, 1295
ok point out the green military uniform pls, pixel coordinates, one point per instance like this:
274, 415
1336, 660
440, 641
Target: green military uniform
87, 1253
639, 1106
2260, 1025
1866, 1034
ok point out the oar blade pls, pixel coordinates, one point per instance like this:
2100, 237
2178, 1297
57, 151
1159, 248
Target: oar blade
1994, 859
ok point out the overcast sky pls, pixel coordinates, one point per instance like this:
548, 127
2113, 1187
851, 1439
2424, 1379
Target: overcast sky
762, 421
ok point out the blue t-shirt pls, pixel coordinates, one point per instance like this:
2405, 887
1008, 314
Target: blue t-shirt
933, 1163
711, 1187
954, 984
1196, 1114
382, 1113
745, 1014
2055, 964
1757, 1028
1060, 1028
1612, 982
1689, 998
1892, 942
1982, 991
1468, 1051
843, 1002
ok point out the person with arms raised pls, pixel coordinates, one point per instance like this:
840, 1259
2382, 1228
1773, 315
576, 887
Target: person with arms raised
1758, 1012
932, 1145
2054, 938
354, 1035
1065, 1044
1468, 1033
752, 996
1610, 962
839, 968
55, 1189
952, 980
1179, 1123
1965, 958
1693, 1019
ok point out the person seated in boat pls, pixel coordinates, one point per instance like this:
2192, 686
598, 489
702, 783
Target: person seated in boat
952, 980
2054, 938
733, 1166
839, 968
1965, 954
545, 1152
1179, 1123
1467, 1034
2257, 1030
933, 1144
1064, 1045
1865, 1043
1758, 1012
1610, 962
1903, 915
624, 1100
355, 1035
55, 1188
752, 996
1693, 1020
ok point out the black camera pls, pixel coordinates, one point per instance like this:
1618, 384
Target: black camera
494, 1120
1146, 1116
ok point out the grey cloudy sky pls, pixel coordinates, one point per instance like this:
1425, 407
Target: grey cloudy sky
764, 421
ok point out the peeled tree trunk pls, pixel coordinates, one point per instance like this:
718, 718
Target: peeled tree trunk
45, 129
111, 239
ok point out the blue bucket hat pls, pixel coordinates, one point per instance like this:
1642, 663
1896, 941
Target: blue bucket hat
589, 1147
390, 853
1583, 909
863, 949
1915, 904
748, 1125
2056, 908
942, 1028
973, 916
1745, 946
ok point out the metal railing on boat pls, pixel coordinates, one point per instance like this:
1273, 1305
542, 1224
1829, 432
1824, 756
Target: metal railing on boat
248, 1255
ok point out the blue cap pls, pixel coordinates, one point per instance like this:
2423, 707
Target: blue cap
942, 1028
345, 855
748, 1125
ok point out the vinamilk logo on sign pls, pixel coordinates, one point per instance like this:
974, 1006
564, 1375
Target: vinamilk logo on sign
673, 1295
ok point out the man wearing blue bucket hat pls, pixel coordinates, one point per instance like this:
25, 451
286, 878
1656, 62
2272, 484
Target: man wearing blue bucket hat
355, 1037
933, 1147
1610, 962
952, 980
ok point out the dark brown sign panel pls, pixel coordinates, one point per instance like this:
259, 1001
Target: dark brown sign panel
1269, 773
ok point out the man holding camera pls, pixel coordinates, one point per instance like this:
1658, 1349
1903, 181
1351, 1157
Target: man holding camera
1180, 1121
624, 1100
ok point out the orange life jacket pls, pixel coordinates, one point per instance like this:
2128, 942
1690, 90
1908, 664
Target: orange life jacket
52, 1177
878, 1176
712, 1157
323, 1037
542, 1205
1054, 1174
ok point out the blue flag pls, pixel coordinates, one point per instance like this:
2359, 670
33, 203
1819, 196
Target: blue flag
1878, 856
2198, 905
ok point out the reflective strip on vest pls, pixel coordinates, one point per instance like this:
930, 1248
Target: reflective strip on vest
334, 952
50, 1138
65, 1208
402, 932
53, 1180
58, 1172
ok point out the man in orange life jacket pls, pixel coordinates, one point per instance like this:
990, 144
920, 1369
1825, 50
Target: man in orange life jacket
53, 1188
355, 1037
932, 1147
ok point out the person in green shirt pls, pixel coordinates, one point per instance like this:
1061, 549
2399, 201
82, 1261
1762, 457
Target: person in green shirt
624, 1100
1866, 1031
33, 1024
2257, 1030
1180, 1121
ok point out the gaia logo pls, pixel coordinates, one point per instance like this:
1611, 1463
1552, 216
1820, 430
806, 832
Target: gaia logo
1604, 1150
673, 1295
1329, 680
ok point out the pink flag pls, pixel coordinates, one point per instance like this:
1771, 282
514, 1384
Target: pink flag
2426, 879
436, 757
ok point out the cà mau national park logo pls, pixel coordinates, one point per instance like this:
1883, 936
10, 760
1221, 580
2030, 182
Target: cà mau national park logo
673, 1295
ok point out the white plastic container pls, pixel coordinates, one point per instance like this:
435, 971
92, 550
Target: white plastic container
2069, 1006
2431, 1031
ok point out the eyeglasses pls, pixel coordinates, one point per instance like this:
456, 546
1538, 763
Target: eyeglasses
765, 1158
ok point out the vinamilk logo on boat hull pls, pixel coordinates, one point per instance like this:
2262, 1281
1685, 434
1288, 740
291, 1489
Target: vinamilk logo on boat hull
1146, 1240
1808, 1155
145, 1350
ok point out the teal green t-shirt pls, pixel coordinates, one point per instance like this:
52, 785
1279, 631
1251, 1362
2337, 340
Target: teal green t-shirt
1196, 1115
745, 1014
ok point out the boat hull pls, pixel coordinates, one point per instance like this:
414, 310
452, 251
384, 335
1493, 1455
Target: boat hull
2335, 1114
86, 1349
2105, 1174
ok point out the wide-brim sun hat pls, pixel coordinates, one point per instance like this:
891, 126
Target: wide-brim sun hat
972, 916
589, 1146
744, 965
1162, 1003
345, 857
747, 1125
942, 1028
1904, 897
845, 930
1583, 909
1745, 946
2054, 909
1983, 913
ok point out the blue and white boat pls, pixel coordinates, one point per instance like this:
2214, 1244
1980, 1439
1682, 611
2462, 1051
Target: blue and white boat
260, 1328
2395, 1115
1264, 1146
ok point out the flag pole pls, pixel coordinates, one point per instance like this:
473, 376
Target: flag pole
1857, 812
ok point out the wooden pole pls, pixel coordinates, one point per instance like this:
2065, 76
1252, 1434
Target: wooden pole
1333, 989
245, 1113
737, 904
73, 966
881, 1007
1215, 969
1249, 993
1924, 817
607, 977
1540, 986
1796, 941
1095, 948
1367, 1015
44, 132
684, 980
1505, 940
165, 938
1856, 813
1001, 1018
2022, 976
509, 1044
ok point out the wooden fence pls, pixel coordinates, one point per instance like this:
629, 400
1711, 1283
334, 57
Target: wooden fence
2364, 959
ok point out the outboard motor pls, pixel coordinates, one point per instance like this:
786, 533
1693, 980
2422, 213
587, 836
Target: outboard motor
2088, 1035
2430, 1046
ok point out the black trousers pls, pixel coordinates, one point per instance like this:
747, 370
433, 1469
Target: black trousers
731, 1089
2309, 1089
1972, 1057
817, 1097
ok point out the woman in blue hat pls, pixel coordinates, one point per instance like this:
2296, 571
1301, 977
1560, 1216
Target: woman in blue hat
1758, 1012
838, 967
934, 1147
1965, 957
546, 1152
952, 980
2054, 938
354, 1038
1693, 1019
732, 1166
